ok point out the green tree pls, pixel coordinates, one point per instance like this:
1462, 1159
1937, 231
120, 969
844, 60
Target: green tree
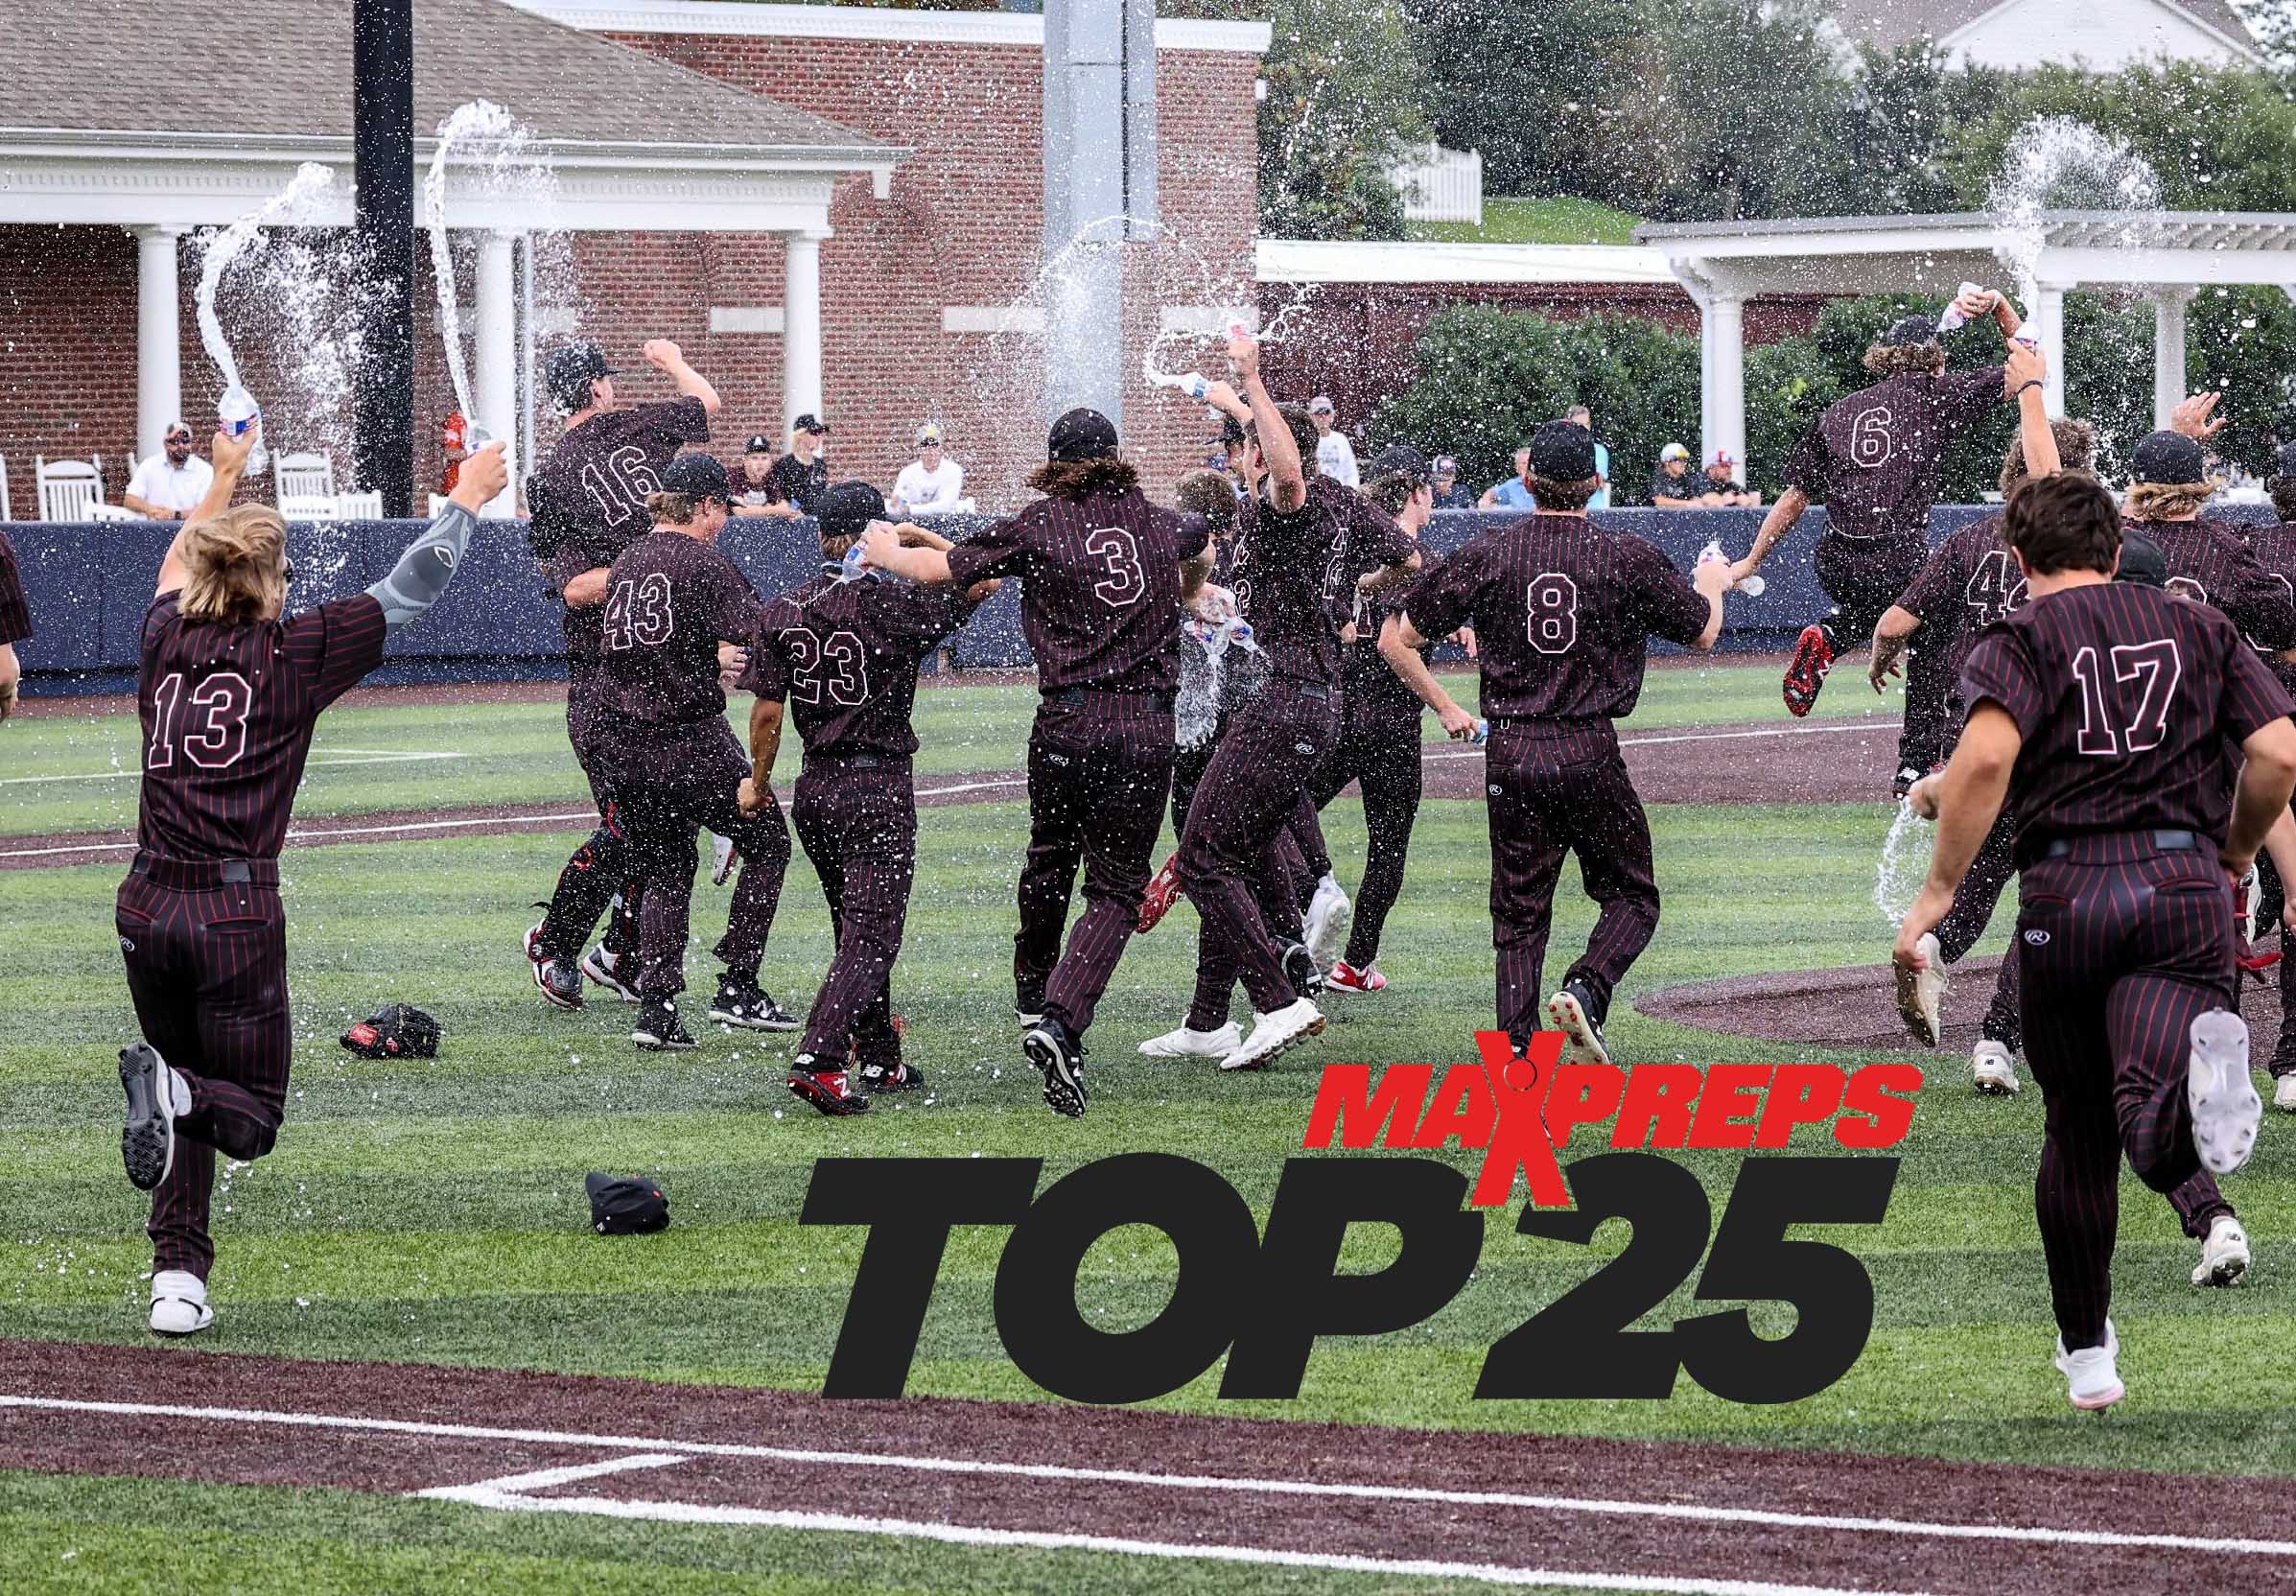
1342, 108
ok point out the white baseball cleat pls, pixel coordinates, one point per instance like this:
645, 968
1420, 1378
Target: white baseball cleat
721, 858
1273, 1033
179, 1302
1921, 992
2091, 1379
2283, 1092
1329, 916
2224, 1255
2226, 1110
1184, 1043
1572, 1013
1993, 1069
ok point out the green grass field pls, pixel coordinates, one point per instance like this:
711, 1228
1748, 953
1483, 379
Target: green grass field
432, 1211
1562, 219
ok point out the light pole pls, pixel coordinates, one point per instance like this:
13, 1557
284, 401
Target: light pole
382, 166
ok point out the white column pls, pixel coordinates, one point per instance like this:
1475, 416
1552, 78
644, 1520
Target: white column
158, 339
801, 325
2048, 331
494, 380
2167, 352
1721, 362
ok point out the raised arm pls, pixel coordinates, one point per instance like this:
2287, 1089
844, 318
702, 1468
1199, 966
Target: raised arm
414, 585
670, 359
1287, 477
2025, 371
230, 459
884, 550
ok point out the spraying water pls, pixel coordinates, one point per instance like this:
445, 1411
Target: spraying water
291, 204
2057, 163
497, 150
1905, 863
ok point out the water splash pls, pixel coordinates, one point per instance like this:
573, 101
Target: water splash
496, 155
293, 206
2057, 163
1905, 863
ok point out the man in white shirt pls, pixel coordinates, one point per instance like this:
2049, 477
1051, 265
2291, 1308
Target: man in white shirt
929, 484
170, 485
1335, 456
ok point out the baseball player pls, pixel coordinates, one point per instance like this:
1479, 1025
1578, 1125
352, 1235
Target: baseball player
230, 692
16, 626
1299, 540
1562, 610
1103, 573
660, 739
2275, 549
586, 504
1872, 460
2099, 712
841, 656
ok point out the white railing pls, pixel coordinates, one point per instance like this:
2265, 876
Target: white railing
1441, 185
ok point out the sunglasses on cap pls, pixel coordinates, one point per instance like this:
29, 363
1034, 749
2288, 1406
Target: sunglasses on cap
179, 437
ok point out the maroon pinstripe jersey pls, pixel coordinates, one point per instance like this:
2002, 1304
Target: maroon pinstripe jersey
228, 714
1873, 458
2210, 561
586, 502
16, 620
1292, 572
2275, 550
2125, 697
1969, 581
1563, 610
671, 599
1371, 687
1100, 586
844, 656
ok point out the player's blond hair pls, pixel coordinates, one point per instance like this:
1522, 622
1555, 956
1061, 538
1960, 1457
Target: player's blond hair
2166, 501
676, 509
1209, 494
1904, 360
235, 567
2077, 451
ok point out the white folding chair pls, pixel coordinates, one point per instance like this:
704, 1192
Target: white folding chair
68, 489
360, 506
305, 476
438, 501
309, 507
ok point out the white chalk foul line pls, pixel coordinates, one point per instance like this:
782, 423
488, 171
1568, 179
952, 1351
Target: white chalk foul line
1686, 1510
1437, 750
364, 756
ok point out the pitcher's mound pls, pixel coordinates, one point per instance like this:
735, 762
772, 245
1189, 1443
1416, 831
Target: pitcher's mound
1855, 1008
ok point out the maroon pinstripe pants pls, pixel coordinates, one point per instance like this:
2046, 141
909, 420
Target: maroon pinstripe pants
1553, 793
1099, 770
858, 823
207, 968
2123, 946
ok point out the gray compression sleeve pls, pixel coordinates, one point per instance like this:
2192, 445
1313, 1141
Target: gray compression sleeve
424, 570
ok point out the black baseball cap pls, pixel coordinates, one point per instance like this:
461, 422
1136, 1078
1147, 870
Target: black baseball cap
1082, 434
1910, 329
569, 371
759, 444
809, 423
1398, 459
1232, 432
2142, 561
1562, 451
697, 476
846, 511
622, 1207
2283, 463
2168, 458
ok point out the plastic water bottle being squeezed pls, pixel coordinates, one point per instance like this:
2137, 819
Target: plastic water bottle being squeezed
237, 413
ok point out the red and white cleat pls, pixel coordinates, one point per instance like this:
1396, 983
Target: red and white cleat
1345, 977
1812, 658
1161, 894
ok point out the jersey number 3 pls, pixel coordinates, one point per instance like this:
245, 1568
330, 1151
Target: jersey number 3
211, 728
639, 615
1119, 556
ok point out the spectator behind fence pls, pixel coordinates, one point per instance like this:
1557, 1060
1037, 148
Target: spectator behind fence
755, 493
1444, 484
1335, 456
1578, 415
802, 476
1723, 488
930, 484
1674, 486
1514, 493
171, 483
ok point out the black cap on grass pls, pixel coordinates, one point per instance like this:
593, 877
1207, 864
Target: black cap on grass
622, 1207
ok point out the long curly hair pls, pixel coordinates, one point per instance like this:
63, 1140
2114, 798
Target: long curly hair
1082, 479
2077, 451
1906, 360
235, 567
2166, 501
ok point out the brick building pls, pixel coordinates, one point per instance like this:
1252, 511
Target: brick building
721, 170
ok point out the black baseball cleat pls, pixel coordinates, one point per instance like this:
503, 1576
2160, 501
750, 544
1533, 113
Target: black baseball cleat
896, 1078
1028, 1003
742, 1001
1300, 967
148, 1141
560, 984
603, 965
1572, 1012
1057, 1057
829, 1090
659, 1029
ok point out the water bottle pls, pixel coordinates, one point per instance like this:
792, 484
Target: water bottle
1482, 734
1953, 317
1195, 385
236, 411
854, 568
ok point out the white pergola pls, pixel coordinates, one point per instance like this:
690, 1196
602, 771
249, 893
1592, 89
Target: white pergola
162, 185
2166, 256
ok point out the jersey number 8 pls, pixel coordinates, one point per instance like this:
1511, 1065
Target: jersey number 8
1553, 600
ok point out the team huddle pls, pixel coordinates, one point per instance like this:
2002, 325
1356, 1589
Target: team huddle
1239, 660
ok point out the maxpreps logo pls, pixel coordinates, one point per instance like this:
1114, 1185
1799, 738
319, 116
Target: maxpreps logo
1262, 1299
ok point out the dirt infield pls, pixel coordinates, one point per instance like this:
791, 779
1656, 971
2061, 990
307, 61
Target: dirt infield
1472, 1508
1786, 763
1855, 1007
